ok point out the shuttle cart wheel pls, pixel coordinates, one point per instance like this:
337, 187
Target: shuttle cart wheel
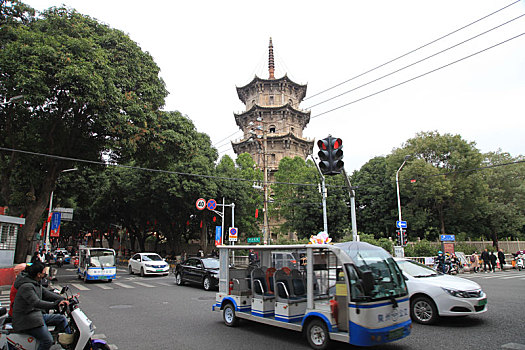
317, 335
228, 314
423, 310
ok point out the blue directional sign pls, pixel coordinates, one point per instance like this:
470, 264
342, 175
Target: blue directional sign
447, 238
218, 235
401, 224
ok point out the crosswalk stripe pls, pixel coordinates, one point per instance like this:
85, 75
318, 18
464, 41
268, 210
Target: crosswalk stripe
103, 286
79, 286
123, 285
6, 292
166, 284
144, 284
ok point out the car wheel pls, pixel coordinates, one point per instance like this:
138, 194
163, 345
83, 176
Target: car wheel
317, 335
130, 270
141, 272
228, 315
178, 279
206, 284
423, 310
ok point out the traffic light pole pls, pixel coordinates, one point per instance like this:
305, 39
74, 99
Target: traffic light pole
355, 236
323, 193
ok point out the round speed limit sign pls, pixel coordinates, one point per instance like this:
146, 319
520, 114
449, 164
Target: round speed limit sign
201, 203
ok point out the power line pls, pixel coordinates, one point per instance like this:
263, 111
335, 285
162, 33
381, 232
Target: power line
412, 51
414, 63
418, 76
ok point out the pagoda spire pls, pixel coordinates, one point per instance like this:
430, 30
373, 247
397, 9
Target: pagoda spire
271, 64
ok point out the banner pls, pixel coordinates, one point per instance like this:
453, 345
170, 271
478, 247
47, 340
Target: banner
218, 235
55, 225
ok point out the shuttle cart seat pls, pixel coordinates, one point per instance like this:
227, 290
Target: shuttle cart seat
260, 288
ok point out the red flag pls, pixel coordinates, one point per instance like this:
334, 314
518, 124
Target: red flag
256, 213
413, 180
201, 224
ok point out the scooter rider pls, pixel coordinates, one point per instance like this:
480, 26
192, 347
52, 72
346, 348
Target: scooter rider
30, 302
440, 262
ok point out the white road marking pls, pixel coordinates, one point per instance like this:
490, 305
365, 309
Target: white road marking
6, 292
98, 336
144, 284
113, 346
123, 285
514, 346
506, 278
166, 284
79, 286
103, 286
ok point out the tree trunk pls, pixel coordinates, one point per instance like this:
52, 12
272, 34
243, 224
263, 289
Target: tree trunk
34, 211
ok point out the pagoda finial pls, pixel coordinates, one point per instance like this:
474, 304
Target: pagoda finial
271, 65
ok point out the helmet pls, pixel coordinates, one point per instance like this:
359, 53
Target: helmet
440, 252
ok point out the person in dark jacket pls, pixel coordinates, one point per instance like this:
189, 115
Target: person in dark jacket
493, 260
501, 258
486, 259
30, 302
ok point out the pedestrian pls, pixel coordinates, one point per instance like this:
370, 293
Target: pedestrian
501, 258
183, 256
42, 256
474, 262
486, 260
493, 260
35, 257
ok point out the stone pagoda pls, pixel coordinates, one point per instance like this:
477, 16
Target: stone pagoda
272, 123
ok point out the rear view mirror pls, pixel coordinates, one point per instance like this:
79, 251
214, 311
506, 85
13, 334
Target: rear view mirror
367, 278
64, 289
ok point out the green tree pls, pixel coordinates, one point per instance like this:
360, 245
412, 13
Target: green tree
88, 90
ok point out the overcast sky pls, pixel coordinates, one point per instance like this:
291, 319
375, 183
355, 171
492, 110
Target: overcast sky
206, 48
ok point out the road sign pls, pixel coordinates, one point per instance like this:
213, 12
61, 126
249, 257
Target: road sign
218, 235
233, 234
201, 203
253, 239
401, 224
212, 204
447, 238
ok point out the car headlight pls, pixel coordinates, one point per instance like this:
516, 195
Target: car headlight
457, 293
148, 265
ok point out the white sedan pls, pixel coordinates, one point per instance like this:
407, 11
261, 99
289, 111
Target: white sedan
148, 264
433, 295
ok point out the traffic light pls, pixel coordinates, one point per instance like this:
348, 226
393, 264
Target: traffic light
401, 238
331, 155
399, 241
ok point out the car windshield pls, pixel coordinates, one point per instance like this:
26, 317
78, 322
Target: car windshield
415, 269
151, 257
211, 263
102, 258
388, 279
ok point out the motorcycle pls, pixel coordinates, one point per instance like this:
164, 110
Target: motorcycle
81, 326
59, 261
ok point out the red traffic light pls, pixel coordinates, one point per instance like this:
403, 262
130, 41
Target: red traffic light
337, 143
322, 144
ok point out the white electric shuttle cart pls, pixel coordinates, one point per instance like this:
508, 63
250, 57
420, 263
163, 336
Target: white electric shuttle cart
96, 264
352, 292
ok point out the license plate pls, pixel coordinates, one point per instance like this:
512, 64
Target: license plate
103, 277
160, 270
396, 333
482, 302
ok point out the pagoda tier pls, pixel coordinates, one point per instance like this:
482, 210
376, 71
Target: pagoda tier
271, 92
278, 146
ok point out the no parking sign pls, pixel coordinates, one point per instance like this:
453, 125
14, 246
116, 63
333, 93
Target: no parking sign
233, 234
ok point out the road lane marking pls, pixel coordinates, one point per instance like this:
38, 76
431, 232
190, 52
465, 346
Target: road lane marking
166, 283
6, 292
123, 285
144, 284
514, 346
103, 286
79, 286
506, 278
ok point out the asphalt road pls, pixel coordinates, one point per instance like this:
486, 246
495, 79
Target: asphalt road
153, 313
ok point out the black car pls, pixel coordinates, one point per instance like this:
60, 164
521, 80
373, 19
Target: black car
201, 271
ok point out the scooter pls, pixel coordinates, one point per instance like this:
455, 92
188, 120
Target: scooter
81, 326
59, 261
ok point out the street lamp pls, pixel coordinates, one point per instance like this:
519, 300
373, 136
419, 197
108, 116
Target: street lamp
12, 99
398, 198
48, 243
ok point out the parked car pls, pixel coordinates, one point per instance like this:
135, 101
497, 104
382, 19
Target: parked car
433, 294
201, 271
148, 264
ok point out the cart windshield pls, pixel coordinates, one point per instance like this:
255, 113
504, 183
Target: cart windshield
102, 258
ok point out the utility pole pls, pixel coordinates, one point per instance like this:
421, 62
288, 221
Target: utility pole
266, 229
351, 192
323, 194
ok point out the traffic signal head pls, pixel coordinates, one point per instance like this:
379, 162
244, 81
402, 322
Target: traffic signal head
330, 155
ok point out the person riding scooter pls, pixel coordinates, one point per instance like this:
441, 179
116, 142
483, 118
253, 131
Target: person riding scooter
31, 300
440, 262
59, 258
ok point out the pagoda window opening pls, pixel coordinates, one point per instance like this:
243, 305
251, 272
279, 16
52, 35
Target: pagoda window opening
272, 129
271, 100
